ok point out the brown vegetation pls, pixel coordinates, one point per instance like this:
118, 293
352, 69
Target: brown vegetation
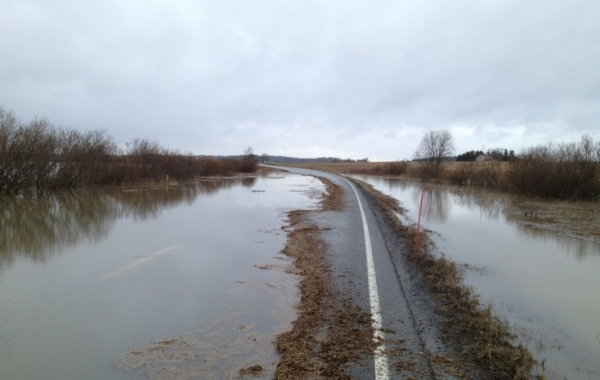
254, 370
41, 156
330, 333
396, 168
561, 171
566, 170
476, 333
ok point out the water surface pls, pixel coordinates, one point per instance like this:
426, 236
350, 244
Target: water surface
87, 276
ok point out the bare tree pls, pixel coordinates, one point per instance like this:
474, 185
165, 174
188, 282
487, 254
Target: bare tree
249, 152
38, 155
434, 146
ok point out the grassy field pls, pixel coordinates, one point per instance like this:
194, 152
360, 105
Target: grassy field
533, 177
413, 169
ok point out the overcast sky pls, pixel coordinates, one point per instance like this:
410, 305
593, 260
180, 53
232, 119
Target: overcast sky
306, 78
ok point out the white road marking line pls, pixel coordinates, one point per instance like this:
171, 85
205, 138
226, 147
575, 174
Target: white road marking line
381, 362
139, 262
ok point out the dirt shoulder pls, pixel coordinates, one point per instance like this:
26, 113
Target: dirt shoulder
330, 332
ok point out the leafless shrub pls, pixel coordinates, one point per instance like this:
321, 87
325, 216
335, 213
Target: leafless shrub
462, 175
394, 168
82, 158
38, 156
565, 170
228, 167
208, 166
248, 164
488, 174
426, 172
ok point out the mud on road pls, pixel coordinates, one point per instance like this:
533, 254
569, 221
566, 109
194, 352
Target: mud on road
331, 332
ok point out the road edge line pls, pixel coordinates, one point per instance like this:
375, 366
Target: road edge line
381, 362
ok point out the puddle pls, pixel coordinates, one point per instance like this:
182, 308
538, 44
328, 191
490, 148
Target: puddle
536, 261
148, 282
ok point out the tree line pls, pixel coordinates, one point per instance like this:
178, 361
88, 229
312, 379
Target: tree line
498, 154
563, 170
37, 155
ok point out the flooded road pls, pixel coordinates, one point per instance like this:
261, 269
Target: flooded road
90, 278
542, 279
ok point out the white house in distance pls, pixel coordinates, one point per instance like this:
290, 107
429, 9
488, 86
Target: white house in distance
484, 158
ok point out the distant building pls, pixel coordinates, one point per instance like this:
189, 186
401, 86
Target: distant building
484, 158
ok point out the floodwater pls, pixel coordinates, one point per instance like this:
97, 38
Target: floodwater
541, 274
91, 278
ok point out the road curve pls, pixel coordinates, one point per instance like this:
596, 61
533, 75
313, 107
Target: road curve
367, 266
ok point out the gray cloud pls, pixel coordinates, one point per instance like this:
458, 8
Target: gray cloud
350, 79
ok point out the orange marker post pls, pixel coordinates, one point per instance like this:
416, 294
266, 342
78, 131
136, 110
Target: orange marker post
419, 222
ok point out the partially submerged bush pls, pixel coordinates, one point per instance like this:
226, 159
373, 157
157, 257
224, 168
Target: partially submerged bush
566, 170
39, 156
394, 168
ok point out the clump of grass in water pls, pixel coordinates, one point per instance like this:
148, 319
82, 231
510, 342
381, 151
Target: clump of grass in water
481, 336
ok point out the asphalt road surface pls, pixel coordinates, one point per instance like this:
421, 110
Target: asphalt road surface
369, 264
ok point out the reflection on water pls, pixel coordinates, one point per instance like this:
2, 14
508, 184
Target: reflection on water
578, 248
95, 274
490, 207
530, 218
541, 261
38, 226
434, 205
435, 201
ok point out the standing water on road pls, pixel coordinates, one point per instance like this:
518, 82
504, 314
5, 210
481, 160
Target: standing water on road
542, 275
185, 281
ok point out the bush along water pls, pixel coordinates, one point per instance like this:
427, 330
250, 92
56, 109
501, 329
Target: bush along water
39, 156
561, 171
565, 170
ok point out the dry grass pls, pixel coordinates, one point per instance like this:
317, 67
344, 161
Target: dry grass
336, 167
537, 176
471, 328
413, 169
333, 201
254, 370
